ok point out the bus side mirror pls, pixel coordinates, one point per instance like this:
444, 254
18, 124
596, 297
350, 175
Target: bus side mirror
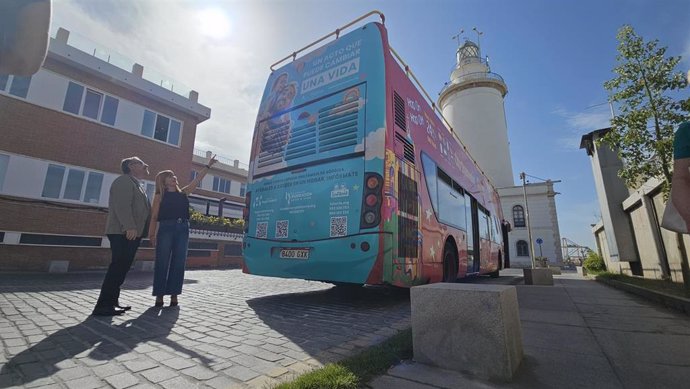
24, 35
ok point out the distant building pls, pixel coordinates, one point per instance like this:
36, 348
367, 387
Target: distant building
629, 236
63, 133
473, 103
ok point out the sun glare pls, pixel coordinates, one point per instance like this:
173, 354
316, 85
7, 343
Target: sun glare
214, 23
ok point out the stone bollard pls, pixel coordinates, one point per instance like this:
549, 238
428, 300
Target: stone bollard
539, 276
581, 270
555, 270
468, 328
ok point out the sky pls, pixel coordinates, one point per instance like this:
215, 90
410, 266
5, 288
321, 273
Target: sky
553, 55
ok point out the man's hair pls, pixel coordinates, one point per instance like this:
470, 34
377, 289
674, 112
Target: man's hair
124, 165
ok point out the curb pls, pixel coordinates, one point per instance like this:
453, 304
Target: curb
673, 302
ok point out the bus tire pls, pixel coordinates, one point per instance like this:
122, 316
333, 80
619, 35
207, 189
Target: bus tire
495, 273
450, 264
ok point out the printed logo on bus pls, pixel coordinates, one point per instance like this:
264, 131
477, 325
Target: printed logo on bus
297, 196
339, 191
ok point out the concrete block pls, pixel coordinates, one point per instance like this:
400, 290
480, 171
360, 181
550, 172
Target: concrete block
58, 267
538, 276
555, 269
470, 328
581, 270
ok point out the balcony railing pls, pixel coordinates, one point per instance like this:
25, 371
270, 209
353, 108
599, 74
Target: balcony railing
114, 58
225, 160
477, 76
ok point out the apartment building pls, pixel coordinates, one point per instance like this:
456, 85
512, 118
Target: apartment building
63, 133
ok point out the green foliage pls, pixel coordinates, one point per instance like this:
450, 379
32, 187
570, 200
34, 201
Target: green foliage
199, 219
594, 263
331, 376
642, 132
359, 369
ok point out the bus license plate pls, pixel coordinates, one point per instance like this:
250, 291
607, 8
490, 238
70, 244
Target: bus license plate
294, 253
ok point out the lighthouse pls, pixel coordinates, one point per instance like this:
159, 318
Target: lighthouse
472, 102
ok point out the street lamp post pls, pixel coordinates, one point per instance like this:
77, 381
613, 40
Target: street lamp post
529, 228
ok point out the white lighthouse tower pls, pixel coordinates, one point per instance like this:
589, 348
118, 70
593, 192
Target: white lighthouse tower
472, 102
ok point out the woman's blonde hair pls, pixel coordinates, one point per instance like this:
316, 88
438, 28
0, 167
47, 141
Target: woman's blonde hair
160, 181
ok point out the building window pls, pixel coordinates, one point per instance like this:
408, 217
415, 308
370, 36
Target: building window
221, 185
193, 176
243, 189
161, 128
518, 216
4, 161
19, 86
96, 105
522, 248
79, 185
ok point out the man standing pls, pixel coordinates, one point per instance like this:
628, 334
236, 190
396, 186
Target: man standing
129, 215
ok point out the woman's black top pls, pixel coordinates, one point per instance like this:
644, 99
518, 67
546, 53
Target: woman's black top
174, 205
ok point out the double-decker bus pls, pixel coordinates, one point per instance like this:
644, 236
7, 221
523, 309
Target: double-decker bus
355, 178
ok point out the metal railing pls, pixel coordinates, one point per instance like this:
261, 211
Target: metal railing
336, 33
476, 76
114, 58
224, 160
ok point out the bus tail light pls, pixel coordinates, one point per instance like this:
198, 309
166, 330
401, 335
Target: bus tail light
372, 200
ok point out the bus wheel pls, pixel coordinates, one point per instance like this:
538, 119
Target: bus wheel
495, 273
450, 264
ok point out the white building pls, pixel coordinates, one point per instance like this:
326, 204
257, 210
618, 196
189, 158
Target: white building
473, 104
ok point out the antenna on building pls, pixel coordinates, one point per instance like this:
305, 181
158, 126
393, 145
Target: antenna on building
457, 36
479, 34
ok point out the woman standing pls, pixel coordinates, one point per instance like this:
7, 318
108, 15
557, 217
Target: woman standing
169, 232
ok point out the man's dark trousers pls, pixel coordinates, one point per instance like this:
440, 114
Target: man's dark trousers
123, 255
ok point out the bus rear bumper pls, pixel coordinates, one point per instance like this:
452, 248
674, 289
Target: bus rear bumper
348, 259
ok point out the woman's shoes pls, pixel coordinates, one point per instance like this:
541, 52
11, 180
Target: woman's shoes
159, 303
173, 302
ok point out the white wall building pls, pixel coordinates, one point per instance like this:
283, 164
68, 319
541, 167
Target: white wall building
473, 104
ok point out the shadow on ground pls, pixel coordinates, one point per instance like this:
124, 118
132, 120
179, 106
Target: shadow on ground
104, 339
319, 320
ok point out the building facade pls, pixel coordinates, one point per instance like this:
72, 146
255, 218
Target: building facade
541, 204
63, 133
629, 236
473, 103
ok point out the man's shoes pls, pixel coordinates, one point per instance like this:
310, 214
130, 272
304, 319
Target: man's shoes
123, 307
107, 311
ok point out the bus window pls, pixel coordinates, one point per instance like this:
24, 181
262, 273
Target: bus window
451, 203
430, 173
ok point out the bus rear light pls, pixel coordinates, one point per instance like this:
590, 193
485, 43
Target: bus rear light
365, 246
371, 201
369, 217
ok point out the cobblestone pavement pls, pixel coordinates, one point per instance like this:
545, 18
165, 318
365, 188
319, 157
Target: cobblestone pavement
231, 330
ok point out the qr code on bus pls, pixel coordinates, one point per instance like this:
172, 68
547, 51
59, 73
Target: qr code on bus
281, 229
262, 230
338, 226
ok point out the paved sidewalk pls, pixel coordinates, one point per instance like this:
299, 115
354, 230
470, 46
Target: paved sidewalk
231, 330
579, 334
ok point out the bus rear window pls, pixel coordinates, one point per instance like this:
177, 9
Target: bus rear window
329, 127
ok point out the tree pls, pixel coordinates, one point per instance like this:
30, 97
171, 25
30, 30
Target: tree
643, 130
